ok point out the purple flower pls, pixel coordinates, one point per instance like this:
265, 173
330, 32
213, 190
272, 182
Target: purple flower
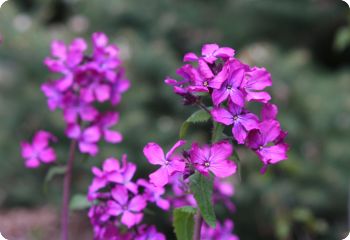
66, 60
220, 232
110, 173
87, 138
170, 163
130, 209
149, 233
242, 120
76, 108
269, 112
119, 86
205, 78
261, 141
125, 175
39, 150
53, 94
214, 158
231, 88
256, 80
105, 122
210, 53
154, 194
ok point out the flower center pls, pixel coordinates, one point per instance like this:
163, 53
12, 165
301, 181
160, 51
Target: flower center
166, 162
260, 148
229, 87
207, 164
205, 84
235, 118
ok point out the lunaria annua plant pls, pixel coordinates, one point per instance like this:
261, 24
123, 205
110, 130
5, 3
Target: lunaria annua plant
198, 176
190, 177
84, 83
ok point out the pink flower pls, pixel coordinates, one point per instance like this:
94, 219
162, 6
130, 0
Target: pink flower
87, 138
213, 158
39, 150
105, 122
231, 88
169, 163
268, 143
154, 194
130, 209
255, 80
149, 233
242, 120
65, 60
210, 53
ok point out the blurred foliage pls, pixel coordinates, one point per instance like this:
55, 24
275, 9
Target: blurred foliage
302, 198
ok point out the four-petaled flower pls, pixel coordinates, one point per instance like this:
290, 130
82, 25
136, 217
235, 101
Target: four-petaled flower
39, 150
242, 120
130, 209
213, 158
170, 163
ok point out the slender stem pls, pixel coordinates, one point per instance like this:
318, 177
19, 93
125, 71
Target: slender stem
201, 105
198, 220
66, 192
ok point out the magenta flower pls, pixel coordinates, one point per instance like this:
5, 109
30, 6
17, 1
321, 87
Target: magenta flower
76, 108
149, 233
262, 142
109, 173
210, 53
242, 120
66, 60
170, 163
231, 88
105, 122
154, 194
87, 138
130, 209
214, 158
54, 96
125, 175
256, 80
220, 232
39, 150
205, 78
119, 86
106, 57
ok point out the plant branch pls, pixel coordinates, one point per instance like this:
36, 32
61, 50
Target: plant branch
66, 192
198, 220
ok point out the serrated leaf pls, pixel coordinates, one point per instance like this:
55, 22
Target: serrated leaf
218, 130
184, 222
53, 171
79, 202
197, 117
202, 189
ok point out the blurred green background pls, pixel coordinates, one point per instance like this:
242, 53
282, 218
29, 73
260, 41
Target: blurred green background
303, 43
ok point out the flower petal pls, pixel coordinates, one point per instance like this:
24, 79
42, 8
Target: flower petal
160, 177
154, 153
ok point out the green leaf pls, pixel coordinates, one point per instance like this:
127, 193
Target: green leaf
53, 171
202, 189
184, 222
218, 129
197, 117
79, 202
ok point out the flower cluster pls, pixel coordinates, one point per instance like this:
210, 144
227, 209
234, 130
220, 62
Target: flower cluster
230, 85
119, 202
84, 82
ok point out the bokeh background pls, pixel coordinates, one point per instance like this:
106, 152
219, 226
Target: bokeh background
303, 43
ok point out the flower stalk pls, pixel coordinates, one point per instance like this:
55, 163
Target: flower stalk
66, 192
198, 220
